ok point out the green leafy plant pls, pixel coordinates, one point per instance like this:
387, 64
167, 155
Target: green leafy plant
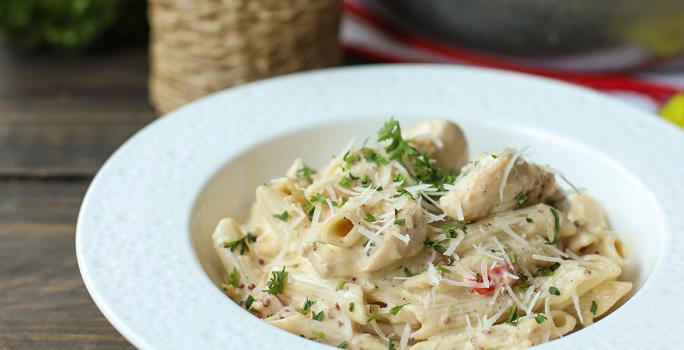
72, 24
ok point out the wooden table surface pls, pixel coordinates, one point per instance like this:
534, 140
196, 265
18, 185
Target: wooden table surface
61, 116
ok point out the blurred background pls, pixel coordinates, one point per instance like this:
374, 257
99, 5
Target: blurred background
78, 77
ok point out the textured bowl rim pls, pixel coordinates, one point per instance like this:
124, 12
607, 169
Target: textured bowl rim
133, 242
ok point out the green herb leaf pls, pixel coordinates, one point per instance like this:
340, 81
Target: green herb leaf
403, 192
277, 282
436, 245
318, 334
372, 315
398, 149
463, 226
249, 302
340, 284
346, 181
284, 216
545, 272
529, 220
318, 197
305, 173
522, 288
540, 318
400, 221
234, 278
443, 269
342, 345
556, 226
318, 316
351, 307
521, 199
449, 230
512, 316
407, 272
395, 309
369, 217
554, 291
399, 178
241, 243
513, 257
594, 307
306, 307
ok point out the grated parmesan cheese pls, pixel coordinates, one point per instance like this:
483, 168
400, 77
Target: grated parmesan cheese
405, 335
546, 258
506, 229
507, 171
575, 300
459, 211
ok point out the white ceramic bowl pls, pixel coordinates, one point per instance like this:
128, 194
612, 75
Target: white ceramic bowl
143, 231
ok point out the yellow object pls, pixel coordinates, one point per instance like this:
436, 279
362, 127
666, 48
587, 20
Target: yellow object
673, 110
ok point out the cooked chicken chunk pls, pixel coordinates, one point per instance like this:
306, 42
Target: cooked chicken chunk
477, 190
443, 140
394, 249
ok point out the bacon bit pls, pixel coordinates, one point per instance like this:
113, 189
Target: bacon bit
260, 261
337, 306
241, 285
495, 276
251, 286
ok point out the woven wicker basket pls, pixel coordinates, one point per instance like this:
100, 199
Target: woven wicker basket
201, 46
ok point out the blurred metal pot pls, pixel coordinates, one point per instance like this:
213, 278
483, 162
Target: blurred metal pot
569, 34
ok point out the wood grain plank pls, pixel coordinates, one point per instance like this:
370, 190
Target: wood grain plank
63, 115
43, 302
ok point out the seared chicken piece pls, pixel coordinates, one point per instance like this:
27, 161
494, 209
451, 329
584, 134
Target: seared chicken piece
394, 249
479, 190
443, 140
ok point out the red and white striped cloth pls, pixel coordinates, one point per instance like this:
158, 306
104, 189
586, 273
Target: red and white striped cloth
366, 34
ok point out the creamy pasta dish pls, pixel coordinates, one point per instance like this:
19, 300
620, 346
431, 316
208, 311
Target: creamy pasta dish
405, 243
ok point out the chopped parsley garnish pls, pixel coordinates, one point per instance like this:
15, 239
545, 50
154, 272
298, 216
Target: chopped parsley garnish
513, 257
249, 302
350, 159
436, 245
407, 272
554, 291
426, 172
395, 309
402, 192
346, 181
373, 157
443, 269
548, 271
343, 200
309, 208
400, 221
351, 307
390, 345
398, 149
318, 316
372, 316
512, 316
594, 307
369, 217
318, 197
540, 318
241, 243
234, 278
366, 182
463, 226
399, 178
284, 216
529, 220
305, 173
340, 284
522, 288
306, 307
449, 230
318, 334
342, 345
521, 199
556, 226
277, 282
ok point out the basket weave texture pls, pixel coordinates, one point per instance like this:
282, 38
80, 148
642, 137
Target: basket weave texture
201, 46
